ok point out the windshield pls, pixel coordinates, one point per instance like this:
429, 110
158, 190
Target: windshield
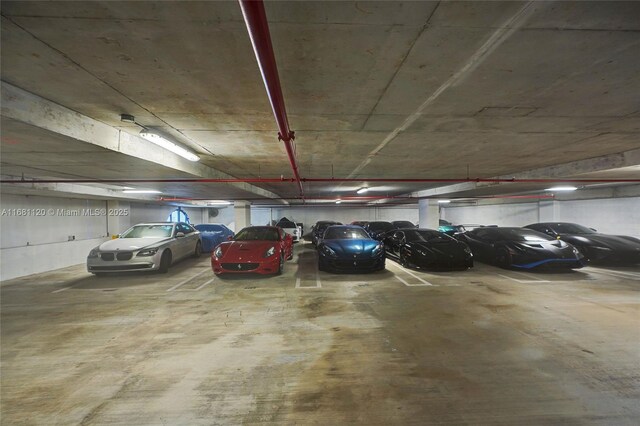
209, 228
403, 224
257, 234
286, 224
324, 225
380, 226
426, 237
336, 233
570, 228
148, 231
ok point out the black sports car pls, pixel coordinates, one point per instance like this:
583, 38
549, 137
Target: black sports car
521, 248
319, 228
598, 248
348, 248
378, 229
403, 224
426, 248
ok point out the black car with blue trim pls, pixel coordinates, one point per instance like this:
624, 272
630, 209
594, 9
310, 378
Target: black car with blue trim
349, 248
521, 248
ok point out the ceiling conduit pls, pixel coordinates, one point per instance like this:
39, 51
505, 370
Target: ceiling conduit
256, 20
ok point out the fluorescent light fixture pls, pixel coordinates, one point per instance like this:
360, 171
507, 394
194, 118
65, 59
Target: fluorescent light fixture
141, 191
165, 143
444, 201
218, 203
339, 201
562, 188
362, 190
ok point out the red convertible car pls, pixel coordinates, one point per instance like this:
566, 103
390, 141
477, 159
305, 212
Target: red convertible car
257, 249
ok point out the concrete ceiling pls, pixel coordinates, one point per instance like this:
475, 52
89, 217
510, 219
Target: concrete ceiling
373, 89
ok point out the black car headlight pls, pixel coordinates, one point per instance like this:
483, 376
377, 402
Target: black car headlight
217, 253
269, 252
377, 249
93, 253
468, 250
328, 251
147, 252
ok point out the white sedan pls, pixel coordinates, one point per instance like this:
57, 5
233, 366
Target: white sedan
146, 247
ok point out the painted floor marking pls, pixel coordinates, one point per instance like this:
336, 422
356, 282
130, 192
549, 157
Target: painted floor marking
298, 282
208, 282
412, 285
318, 283
61, 289
414, 276
523, 281
187, 280
615, 274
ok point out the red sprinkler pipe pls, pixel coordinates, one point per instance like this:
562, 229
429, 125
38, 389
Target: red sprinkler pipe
255, 18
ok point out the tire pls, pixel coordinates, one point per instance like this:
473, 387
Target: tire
503, 258
291, 255
403, 260
281, 265
198, 250
165, 262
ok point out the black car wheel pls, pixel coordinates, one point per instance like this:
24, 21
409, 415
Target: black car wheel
503, 258
198, 251
281, 265
403, 260
165, 262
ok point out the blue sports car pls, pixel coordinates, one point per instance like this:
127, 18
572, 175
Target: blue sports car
348, 248
213, 234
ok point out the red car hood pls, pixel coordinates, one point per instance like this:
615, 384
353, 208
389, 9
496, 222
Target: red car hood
246, 251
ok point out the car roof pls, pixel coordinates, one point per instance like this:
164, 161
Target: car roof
157, 223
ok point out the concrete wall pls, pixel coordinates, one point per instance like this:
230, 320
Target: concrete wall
310, 215
607, 215
40, 234
159, 213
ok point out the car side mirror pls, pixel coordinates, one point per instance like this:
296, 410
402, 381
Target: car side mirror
594, 230
229, 238
179, 234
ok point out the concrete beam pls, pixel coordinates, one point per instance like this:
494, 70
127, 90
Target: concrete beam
28, 108
573, 169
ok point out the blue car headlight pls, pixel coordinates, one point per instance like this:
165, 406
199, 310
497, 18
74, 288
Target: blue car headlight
377, 249
328, 251
147, 252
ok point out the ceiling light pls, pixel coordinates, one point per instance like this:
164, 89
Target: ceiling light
141, 191
444, 201
338, 202
165, 143
562, 188
362, 190
218, 203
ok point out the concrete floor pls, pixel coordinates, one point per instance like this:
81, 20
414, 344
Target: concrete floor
485, 346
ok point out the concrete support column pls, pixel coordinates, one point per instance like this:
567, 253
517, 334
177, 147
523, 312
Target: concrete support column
242, 211
428, 214
548, 211
117, 220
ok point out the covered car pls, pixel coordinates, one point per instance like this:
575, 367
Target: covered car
146, 247
521, 248
255, 249
213, 234
348, 248
318, 230
596, 247
427, 248
377, 229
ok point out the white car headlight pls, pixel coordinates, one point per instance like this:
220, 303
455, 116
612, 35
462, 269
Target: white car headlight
147, 252
94, 253
217, 253
270, 252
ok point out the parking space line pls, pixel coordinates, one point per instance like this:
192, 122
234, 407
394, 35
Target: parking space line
614, 274
413, 275
523, 281
208, 282
187, 280
298, 282
61, 289
318, 283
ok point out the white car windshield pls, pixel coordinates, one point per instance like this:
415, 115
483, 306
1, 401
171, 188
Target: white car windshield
148, 231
